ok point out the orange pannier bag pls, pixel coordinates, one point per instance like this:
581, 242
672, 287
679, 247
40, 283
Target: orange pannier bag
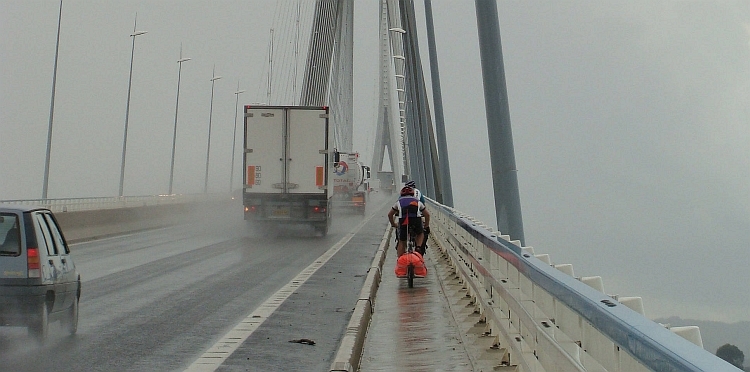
420, 270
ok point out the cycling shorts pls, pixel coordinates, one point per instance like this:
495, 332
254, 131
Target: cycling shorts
415, 224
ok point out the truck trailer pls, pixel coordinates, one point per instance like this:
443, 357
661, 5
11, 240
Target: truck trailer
387, 182
288, 152
350, 182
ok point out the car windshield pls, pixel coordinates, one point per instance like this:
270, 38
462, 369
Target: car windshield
11, 243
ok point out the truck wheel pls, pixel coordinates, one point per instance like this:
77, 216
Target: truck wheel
323, 229
39, 327
72, 321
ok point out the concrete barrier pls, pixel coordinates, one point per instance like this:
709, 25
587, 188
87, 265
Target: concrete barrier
80, 226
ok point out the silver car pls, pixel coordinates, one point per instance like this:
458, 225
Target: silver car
39, 283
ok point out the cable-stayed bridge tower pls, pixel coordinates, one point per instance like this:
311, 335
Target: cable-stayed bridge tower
387, 140
328, 76
400, 65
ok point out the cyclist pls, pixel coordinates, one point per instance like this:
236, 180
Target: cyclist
418, 194
410, 212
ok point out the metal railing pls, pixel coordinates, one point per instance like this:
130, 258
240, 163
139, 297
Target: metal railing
547, 320
96, 203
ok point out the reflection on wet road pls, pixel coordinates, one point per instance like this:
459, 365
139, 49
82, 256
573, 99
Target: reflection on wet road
412, 329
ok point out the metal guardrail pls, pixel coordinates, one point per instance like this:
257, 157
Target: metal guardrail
547, 320
85, 204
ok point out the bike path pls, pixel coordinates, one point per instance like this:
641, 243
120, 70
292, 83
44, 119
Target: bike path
415, 329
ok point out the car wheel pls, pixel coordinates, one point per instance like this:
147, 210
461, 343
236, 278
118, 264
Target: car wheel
72, 322
39, 327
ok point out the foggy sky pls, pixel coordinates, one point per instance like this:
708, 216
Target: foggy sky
629, 118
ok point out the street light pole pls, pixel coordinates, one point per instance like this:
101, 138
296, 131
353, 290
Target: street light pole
127, 107
234, 137
176, 106
210, 115
51, 108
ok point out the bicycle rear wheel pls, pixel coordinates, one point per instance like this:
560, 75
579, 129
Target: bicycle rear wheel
410, 275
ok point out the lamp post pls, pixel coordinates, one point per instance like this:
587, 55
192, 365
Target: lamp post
210, 114
176, 107
51, 109
127, 107
234, 137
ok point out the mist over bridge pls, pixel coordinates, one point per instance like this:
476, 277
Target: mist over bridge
407, 131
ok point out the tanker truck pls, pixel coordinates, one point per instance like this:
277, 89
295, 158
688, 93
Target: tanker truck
350, 181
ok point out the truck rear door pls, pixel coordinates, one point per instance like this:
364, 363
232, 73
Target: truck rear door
307, 149
264, 150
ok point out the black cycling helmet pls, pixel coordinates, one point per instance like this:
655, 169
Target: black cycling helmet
411, 184
407, 191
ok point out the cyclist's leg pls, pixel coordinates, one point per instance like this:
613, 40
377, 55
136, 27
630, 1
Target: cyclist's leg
420, 240
424, 240
418, 231
401, 246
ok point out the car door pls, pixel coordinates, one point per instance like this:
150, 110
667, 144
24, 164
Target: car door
52, 272
68, 276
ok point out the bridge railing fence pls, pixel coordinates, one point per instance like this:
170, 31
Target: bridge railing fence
545, 319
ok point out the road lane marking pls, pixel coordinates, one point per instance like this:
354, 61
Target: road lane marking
215, 356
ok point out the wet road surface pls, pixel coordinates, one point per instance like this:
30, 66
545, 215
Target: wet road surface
157, 300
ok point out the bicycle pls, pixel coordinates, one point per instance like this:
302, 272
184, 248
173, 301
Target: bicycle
411, 244
412, 258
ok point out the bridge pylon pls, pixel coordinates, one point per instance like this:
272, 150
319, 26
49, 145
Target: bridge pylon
385, 136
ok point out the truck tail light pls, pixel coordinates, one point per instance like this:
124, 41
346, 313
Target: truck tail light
33, 263
318, 209
251, 209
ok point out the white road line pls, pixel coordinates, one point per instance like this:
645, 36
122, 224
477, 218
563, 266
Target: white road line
212, 359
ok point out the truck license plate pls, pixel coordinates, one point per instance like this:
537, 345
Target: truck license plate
281, 212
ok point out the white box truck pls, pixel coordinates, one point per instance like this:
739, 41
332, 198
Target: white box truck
288, 152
